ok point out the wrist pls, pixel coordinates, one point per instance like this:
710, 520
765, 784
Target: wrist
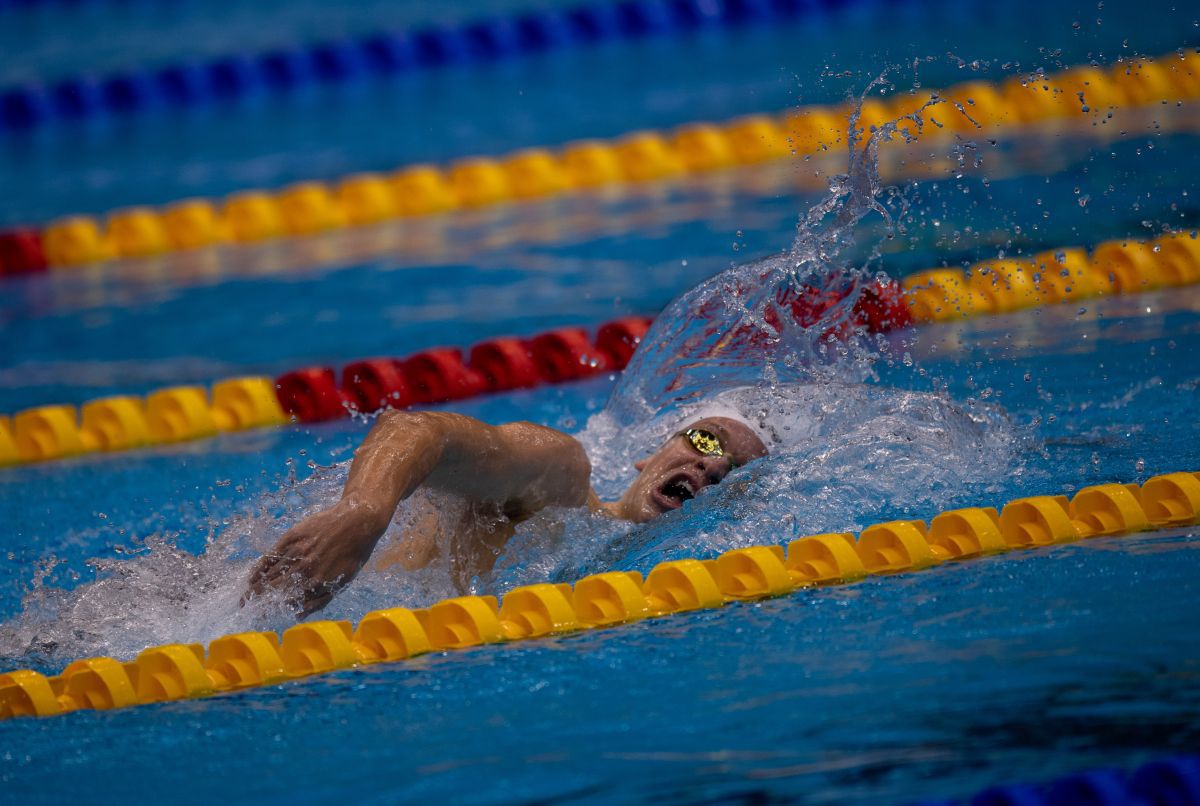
368, 516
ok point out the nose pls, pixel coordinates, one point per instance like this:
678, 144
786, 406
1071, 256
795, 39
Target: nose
714, 468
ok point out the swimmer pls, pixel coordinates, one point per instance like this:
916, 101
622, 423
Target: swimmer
505, 473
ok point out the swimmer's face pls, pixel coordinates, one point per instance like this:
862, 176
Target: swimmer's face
688, 463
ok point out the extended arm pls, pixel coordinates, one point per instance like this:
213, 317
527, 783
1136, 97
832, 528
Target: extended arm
521, 466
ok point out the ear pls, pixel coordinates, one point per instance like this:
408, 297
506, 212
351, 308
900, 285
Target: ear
639, 465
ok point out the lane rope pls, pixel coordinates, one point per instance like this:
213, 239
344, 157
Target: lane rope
1081, 95
376, 55
1172, 780
314, 394
251, 659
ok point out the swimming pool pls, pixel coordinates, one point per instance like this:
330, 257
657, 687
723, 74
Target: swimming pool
1021, 666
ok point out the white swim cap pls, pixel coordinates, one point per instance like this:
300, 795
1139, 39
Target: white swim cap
738, 405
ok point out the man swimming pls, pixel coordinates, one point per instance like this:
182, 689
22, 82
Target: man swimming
505, 474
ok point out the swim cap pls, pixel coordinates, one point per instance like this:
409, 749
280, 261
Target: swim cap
727, 405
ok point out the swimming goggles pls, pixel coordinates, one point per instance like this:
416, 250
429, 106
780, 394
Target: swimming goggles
706, 442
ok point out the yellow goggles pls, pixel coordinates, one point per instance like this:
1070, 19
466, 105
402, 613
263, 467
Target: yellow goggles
706, 442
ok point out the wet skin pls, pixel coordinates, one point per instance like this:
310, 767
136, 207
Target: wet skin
504, 473
677, 471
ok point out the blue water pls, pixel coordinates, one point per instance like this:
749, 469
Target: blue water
1023, 666
563, 95
43, 42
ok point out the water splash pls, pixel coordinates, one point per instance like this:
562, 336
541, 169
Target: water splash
777, 344
786, 318
774, 342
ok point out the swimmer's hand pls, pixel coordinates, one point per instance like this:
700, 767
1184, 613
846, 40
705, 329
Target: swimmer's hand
319, 556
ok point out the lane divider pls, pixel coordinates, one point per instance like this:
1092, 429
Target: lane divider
126, 422
320, 393
454, 239
314, 394
378, 54
1070, 274
1082, 94
1172, 780
244, 660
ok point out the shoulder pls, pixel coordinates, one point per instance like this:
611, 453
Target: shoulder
558, 467
541, 439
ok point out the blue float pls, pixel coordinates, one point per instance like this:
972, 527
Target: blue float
386, 53
23, 108
1094, 788
492, 39
283, 70
438, 46
76, 98
1169, 782
1010, 795
232, 77
486, 40
127, 93
182, 85
337, 62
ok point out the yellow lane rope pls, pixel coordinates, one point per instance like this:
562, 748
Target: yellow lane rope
1079, 95
246, 660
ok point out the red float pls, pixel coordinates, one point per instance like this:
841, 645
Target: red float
811, 304
21, 252
311, 395
504, 364
881, 307
620, 338
567, 354
438, 375
375, 384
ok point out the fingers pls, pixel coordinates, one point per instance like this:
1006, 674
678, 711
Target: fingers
313, 604
267, 572
307, 593
259, 574
309, 564
272, 571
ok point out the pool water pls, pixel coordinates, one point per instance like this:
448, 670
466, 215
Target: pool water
1022, 666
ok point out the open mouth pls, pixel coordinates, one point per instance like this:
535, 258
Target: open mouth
677, 489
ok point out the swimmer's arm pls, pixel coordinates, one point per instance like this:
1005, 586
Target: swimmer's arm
522, 466
519, 465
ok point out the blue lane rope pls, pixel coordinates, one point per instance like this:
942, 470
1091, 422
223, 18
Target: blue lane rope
1173, 781
278, 71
